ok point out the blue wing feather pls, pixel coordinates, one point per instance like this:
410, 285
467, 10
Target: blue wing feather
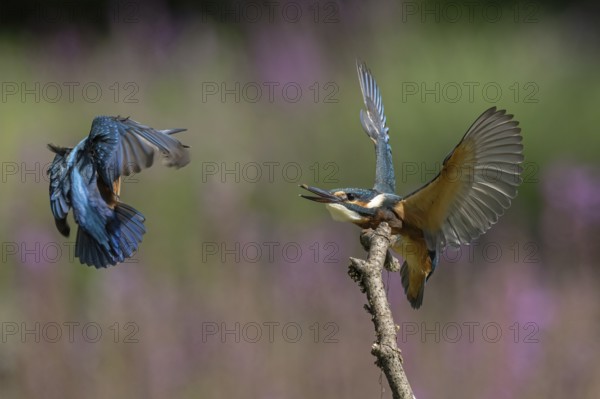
373, 121
60, 187
122, 146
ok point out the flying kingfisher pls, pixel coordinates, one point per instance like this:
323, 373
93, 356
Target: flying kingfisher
475, 185
87, 178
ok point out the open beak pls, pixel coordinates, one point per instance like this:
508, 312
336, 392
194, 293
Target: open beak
324, 197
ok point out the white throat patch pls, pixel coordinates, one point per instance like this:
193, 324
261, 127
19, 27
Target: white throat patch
340, 213
377, 201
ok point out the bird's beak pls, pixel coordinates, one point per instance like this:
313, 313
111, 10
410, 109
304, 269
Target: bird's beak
324, 197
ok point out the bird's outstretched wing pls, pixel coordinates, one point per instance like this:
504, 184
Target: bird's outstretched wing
122, 146
476, 184
373, 122
60, 186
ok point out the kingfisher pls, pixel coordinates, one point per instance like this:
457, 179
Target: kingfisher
476, 183
87, 178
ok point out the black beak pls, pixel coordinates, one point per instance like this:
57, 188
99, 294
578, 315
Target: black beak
324, 197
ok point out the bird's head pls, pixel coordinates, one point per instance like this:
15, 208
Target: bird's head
359, 206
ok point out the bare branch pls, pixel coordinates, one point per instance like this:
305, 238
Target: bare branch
369, 276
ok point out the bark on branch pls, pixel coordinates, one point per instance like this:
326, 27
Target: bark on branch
369, 276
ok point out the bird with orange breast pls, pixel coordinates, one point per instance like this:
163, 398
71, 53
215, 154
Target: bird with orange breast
474, 187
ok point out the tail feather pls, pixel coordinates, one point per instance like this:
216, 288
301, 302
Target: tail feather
123, 234
90, 252
127, 213
413, 283
126, 229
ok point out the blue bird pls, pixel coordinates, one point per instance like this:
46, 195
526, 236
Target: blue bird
87, 178
476, 184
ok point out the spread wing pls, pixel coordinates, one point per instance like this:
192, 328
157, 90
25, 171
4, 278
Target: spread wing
373, 122
476, 184
122, 146
60, 187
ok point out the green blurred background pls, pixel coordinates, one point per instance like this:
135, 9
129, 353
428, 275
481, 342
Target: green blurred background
239, 289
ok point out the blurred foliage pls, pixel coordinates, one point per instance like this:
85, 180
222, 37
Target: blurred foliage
160, 72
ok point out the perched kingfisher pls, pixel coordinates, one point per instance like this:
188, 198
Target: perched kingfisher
87, 178
476, 184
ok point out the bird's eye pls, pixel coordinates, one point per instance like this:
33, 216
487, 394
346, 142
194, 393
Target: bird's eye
350, 196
